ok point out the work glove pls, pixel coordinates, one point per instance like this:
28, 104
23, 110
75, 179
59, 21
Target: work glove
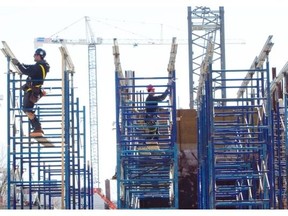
15, 61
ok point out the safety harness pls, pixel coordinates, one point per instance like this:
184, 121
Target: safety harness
36, 91
43, 75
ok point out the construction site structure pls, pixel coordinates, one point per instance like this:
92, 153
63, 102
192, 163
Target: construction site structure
242, 144
50, 173
147, 168
205, 26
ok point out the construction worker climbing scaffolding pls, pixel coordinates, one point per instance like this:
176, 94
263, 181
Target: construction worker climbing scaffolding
32, 88
151, 110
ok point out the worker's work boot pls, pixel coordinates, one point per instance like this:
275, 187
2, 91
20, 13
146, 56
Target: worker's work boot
37, 128
37, 133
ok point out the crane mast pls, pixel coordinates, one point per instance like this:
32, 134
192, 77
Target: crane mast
93, 102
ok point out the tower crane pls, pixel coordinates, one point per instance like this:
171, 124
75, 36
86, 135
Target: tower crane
93, 101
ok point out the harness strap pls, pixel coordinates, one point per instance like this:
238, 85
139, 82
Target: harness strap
43, 71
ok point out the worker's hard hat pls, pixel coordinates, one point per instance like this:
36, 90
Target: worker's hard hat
150, 87
40, 52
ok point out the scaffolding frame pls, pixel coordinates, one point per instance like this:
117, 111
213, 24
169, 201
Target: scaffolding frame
242, 146
147, 170
39, 176
235, 153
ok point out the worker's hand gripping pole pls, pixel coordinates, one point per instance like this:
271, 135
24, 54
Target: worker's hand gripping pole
9, 55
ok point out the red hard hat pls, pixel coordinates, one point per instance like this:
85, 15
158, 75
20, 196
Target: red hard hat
150, 87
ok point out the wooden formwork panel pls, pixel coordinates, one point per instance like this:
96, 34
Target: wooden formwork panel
187, 129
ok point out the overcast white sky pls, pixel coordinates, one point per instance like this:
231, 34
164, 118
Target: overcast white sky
22, 21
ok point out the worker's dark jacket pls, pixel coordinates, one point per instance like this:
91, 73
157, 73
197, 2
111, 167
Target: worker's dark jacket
152, 102
36, 74
151, 111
